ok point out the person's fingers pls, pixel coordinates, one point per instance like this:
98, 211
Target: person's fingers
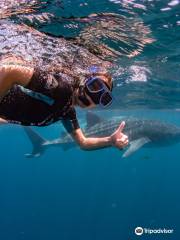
126, 142
120, 144
123, 138
118, 138
121, 126
119, 129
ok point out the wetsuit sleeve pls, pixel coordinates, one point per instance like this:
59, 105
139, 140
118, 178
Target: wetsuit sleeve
70, 121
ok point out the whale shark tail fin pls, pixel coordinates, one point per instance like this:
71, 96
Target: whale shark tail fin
135, 145
37, 142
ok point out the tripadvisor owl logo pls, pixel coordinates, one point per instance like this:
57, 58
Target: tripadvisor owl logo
138, 231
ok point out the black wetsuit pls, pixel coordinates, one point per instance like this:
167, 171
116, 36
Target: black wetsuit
18, 107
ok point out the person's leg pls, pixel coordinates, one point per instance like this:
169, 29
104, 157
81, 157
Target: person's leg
14, 74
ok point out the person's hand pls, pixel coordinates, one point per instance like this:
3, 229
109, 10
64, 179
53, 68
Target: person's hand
119, 139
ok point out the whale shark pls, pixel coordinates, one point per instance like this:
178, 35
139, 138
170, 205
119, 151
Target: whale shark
141, 132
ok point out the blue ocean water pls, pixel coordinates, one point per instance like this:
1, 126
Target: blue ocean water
98, 195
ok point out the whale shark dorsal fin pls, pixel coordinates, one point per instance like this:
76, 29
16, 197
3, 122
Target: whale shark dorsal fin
92, 119
135, 145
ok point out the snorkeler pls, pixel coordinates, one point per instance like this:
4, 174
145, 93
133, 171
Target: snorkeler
48, 76
31, 96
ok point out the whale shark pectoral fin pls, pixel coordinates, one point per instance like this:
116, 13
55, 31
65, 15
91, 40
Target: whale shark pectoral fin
29, 155
135, 145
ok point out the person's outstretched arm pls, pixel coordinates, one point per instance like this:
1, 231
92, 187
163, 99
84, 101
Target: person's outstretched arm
117, 139
13, 74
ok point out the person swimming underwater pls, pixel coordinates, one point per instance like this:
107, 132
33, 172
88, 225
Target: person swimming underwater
56, 77
36, 97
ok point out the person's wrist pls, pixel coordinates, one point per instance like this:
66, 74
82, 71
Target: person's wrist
111, 141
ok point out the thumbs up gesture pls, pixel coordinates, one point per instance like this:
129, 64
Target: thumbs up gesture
119, 139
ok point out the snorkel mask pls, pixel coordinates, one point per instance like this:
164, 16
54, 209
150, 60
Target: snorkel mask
97, 90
